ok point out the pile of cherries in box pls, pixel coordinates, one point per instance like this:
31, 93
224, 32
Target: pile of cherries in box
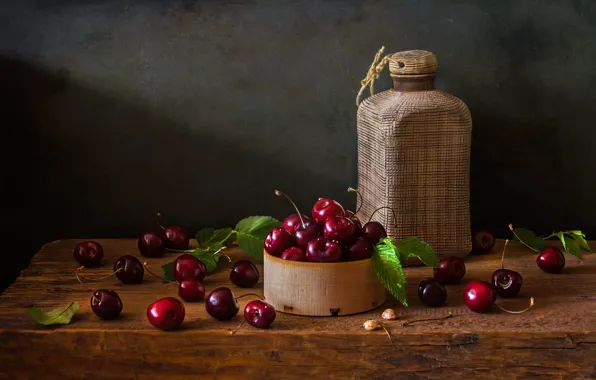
332, 234
169, 312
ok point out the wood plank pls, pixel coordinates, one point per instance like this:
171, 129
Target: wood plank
556, 339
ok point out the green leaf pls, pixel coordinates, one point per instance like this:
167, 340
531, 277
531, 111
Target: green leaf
386, 245
581, 240
530, 238
570, 246
389, 270
413, 246
257, 226
222, 236
168, 271
250, 244
54, 317
204, 236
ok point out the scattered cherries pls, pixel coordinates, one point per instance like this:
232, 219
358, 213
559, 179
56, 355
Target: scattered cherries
222, 304
129, 269
191, 290
431, 292
166, 313
483, 242
152, 244
450, 271
259, 314
551, 260
507, 283
245, 274
188, 266
106, 304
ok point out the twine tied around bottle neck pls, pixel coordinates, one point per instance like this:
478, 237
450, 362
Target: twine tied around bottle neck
373, 74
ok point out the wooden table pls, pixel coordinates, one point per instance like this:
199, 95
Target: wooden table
554, 340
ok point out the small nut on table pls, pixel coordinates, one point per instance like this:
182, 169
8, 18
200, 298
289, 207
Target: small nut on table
389, 314
371, 325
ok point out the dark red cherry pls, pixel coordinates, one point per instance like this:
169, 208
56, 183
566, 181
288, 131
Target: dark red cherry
166, 313
361, 249
152, 244
323, 250
350, 215
325, 208
374, 231
106, 304
450, 271
431, 292
259, 314
507, 283
88, 253
483, 242
338, 228
244, 274
292, 222
222, 304
293, 254
188, 266
551, 260
129, 269
191, 290
277, 241
479, 296
304, 235
176, 237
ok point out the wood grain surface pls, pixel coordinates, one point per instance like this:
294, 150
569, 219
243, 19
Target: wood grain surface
554, 340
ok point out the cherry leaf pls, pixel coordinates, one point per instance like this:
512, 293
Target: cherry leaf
250, 244
256, 226
416, 247
54, 317
580, 238
571, 246
389, 270
221, 237
204, 236
530, 238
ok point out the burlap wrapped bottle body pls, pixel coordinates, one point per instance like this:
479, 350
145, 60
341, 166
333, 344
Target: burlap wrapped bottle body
414, 157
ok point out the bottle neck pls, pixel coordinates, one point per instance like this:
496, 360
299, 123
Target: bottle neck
407, 83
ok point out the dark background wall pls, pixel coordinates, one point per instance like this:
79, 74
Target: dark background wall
114, 110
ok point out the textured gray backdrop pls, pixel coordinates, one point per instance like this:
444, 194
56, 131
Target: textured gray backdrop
113, 110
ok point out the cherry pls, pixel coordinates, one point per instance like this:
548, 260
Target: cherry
304, 235
483, 242
551, 260
188, 266
222, 304
152, 244
176, 237
293, 254
374, 231
323, 250
479, 296
325, 208
106, 304
293, 221
361, 249
338, 228
129, 269
507, 283
450, 271
88, 253
191, 290
166, 313
244, 274
431, 292
277, 241
300, 226
259, 314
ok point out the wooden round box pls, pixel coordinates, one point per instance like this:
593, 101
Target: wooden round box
321, 289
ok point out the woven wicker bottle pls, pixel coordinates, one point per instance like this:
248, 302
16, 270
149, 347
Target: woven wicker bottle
414, 156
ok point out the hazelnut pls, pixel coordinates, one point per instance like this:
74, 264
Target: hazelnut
389, 315
371, 325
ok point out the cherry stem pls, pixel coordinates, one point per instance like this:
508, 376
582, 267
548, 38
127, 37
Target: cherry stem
521, 241
237, 328
79, 276
158, 223
250, 294
146, 266
392, 211
358, 195
388, 335
223, 254
520, 311
427, 319
503, 255
282, 194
